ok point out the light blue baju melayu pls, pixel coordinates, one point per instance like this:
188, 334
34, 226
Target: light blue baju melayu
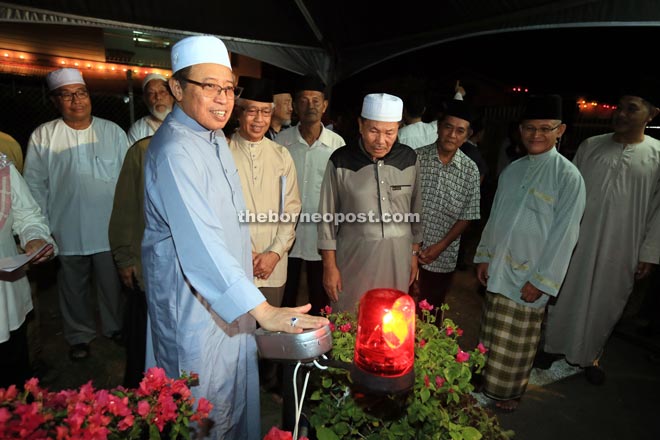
198, 272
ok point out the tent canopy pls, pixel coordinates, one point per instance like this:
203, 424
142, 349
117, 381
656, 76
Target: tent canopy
333, 39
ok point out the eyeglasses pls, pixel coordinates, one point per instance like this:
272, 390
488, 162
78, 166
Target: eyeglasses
68, 96
530, 129
253, 111
212, 90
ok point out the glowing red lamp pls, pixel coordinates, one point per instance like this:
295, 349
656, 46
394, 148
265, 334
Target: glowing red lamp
384, 356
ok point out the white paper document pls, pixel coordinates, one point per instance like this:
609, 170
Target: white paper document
10, 264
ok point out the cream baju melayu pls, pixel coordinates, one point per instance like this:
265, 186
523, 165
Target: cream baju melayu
620, 228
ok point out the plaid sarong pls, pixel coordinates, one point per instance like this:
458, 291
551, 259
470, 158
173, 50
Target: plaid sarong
511, 332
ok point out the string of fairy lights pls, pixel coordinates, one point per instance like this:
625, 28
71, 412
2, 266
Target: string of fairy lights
17, 62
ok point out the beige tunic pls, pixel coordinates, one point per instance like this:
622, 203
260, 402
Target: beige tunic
268, 179
620, 228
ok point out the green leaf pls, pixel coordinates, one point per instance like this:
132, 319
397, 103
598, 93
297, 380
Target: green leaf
323, 433
470, 433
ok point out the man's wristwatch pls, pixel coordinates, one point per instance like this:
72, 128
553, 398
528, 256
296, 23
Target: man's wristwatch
415, 253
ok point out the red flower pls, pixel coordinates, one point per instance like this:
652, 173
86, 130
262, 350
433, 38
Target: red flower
427, 381
449, 330
481, 348
345, 327
422, 342
462, 356
325, 311
86, 414
332, 327
424, 305
439, 381
204, 407
277, 434
459, 331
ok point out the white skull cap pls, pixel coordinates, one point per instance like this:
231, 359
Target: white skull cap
382, 107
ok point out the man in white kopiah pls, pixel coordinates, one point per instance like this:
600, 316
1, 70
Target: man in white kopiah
159, 100
197, 258
71, 167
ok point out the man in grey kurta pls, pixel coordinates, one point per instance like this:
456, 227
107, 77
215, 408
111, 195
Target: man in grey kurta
373, 183
619, 236
196, 254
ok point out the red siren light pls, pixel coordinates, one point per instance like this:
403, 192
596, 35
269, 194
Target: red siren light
385, 344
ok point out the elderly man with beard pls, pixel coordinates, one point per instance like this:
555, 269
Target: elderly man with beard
159, 101
376, 179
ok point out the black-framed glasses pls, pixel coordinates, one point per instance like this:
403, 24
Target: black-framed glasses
210, 90
254, 111
530, 129
68, 96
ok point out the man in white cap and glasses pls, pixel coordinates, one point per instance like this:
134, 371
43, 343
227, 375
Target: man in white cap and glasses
371, 188
71, 168
203, 305
159, 101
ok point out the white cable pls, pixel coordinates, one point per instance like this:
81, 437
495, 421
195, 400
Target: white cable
299, 405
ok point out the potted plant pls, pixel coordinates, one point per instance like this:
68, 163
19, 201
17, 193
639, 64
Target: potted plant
439, 406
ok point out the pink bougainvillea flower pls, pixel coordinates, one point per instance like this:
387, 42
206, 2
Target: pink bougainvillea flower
204, 407
427, 381
424, 305
482, 349
332, 327
143, 408
462, 356
449, 330
326, 310
422, 342
345, 327
459, 331
439, 381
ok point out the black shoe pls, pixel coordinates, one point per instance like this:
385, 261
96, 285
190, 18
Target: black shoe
544, 360
477, 382
595, 375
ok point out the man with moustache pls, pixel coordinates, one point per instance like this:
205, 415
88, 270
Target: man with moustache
71, 168
450, 200
619, 235
159, 101
197, 258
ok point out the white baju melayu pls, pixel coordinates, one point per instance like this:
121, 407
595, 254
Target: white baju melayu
197, 264
310, 161
72, 175
620, 228
19, 214
143, 127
